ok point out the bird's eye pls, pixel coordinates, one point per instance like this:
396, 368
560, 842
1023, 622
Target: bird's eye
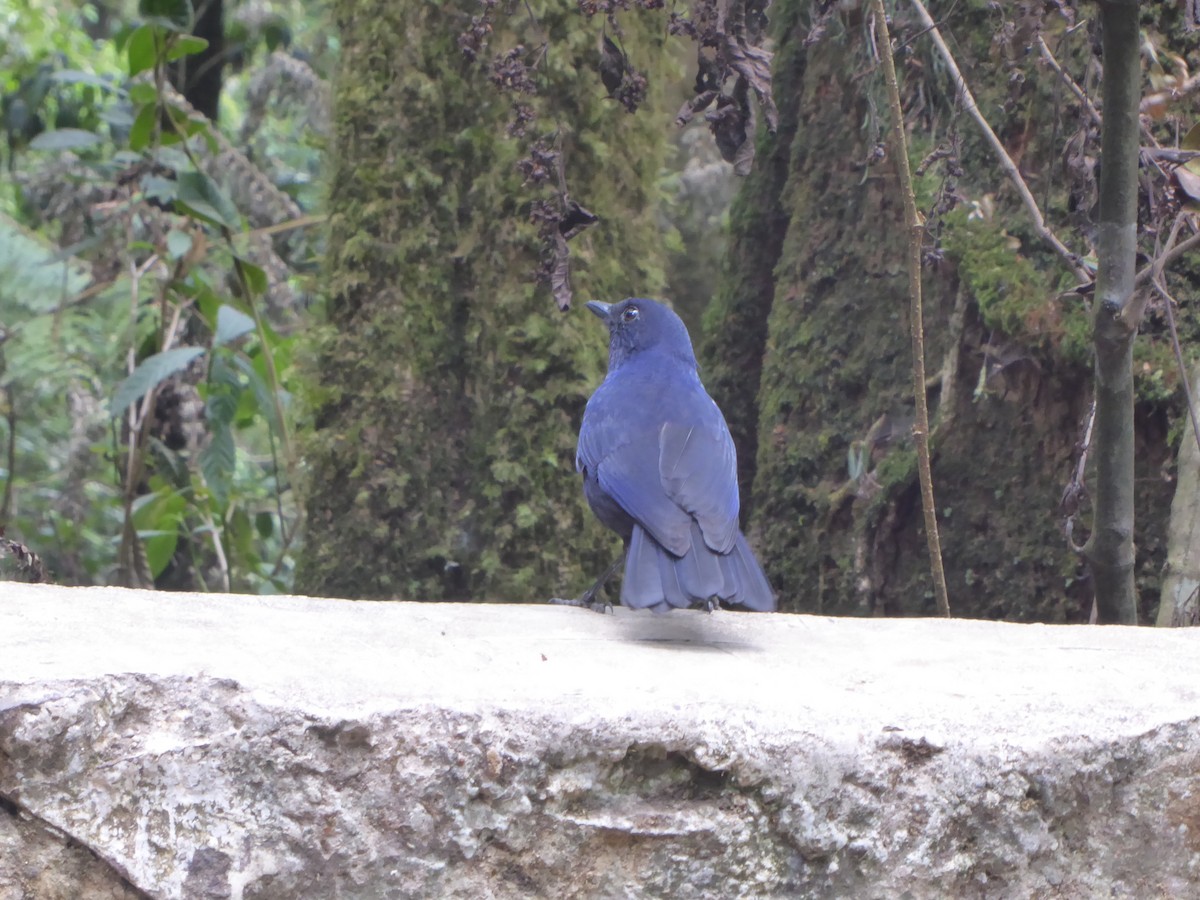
630, 314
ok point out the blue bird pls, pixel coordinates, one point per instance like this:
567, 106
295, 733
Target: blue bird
659, 468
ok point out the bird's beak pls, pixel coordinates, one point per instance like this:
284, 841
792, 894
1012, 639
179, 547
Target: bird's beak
600, 309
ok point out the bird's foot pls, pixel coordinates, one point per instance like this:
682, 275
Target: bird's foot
588, 598
587, 601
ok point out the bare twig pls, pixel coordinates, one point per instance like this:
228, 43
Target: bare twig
1169, 154
1185, 377
948, 376
1076, 488
916, 233
1147, 273
1070, 82
1160, 284
1006, 162
218, 548
10, 415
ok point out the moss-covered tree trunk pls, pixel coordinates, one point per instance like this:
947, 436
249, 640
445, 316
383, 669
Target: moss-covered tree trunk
1180, 603
735, 325
447, 389
836, 511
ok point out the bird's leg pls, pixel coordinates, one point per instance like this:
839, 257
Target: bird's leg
588, 598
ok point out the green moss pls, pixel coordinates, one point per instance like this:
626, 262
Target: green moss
1013, 295
735, 325
837, 354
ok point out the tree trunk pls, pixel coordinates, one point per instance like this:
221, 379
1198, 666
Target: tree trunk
735, 326
447, 390
837, 512
1180, 602
1110, 552
199, 77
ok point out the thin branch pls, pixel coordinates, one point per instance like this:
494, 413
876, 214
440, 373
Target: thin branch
218, 548
1070, 82
1077, 488
1160, 285
10, 415
1154, 152
1147, 273
1169, 154
1183, 370
1006, 162
916, 233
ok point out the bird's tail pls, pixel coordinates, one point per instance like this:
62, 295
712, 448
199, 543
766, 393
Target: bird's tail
742, 573
657, 580
642, 587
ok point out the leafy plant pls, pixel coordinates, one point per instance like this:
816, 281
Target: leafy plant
173, 465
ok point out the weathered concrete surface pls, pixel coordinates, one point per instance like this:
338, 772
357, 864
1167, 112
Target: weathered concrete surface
241, 747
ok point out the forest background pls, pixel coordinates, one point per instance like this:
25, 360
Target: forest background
281, 291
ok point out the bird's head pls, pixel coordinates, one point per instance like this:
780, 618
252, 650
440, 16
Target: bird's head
637, 326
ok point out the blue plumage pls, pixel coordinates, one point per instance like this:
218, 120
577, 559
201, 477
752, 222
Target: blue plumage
659, 468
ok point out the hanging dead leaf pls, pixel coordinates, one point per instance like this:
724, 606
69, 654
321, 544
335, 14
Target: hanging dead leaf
613, 65
1189, 182
560, 274
1191, 140
697, 104
575, 219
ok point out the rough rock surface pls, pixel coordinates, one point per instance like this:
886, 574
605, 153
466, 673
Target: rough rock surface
158, 745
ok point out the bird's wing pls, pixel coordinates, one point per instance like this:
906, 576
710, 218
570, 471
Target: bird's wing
665, 457
622, 451
629, 475
698, 471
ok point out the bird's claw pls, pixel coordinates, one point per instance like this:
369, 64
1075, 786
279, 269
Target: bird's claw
586, 602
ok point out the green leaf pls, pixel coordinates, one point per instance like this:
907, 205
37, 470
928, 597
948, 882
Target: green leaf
119, 117
261, 390
206, 298
153, 371
172, 158
256, 278
240, 536
186, 45
1191, 140
217, 460
142, 93
142, 49
264, 524
222, 405
157, 517
231, 325
202, 197
276, 34
74, 76
178, 243
64, 139
160, 549
175, 15
155, 187
143, 127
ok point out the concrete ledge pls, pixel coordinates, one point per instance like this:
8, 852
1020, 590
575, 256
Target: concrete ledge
159, 745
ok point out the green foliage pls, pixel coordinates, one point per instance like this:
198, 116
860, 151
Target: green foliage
1014, 296
38, 93
171, 461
